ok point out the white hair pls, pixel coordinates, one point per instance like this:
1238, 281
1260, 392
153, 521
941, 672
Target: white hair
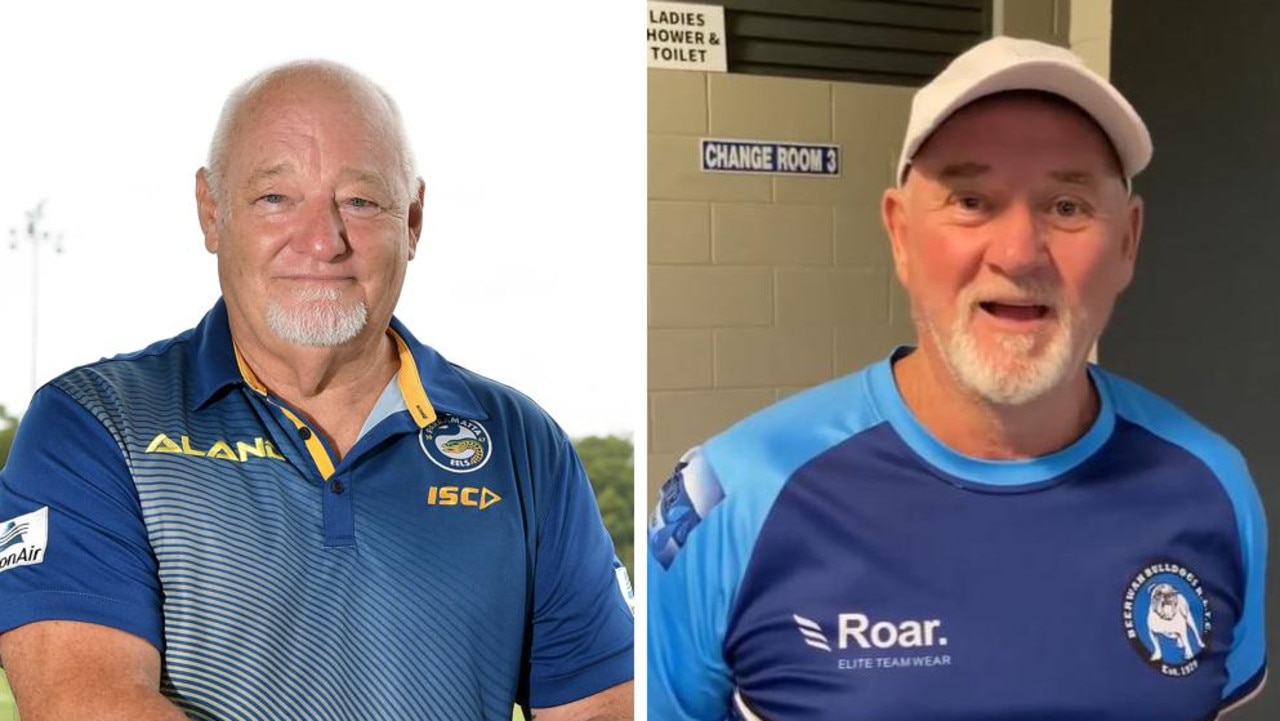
327, 69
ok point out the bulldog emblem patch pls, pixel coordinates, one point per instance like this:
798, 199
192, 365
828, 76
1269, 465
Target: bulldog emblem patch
1167, 618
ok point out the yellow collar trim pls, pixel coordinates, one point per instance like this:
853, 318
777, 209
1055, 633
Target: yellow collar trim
411, 388
247, 373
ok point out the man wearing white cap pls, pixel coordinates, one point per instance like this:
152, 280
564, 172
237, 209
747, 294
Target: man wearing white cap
984, 526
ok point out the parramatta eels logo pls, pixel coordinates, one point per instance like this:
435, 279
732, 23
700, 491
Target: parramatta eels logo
456, 444
1167, 618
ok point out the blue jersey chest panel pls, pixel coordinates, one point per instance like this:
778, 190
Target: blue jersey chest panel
829, 558
881, 584
425, 594
452, 563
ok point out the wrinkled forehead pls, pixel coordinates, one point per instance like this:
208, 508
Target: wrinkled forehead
1026, 107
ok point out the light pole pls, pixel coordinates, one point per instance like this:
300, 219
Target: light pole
35, 236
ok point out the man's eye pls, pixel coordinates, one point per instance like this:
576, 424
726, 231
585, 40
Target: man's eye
361, 203
272, 198
968, 202
1071, 208
1067, 208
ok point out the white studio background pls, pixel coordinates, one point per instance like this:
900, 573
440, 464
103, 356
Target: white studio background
527, 121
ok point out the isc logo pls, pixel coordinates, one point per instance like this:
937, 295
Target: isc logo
480, 498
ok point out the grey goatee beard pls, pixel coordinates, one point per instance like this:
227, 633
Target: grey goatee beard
1019, 377
317, 319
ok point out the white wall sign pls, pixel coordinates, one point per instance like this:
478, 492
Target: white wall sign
684, 36
769, 156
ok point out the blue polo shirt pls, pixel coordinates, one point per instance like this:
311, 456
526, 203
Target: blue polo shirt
829, 558
451, 564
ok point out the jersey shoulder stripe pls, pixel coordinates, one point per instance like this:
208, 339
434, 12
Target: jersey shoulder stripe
755, 457
703, 532
1170, 423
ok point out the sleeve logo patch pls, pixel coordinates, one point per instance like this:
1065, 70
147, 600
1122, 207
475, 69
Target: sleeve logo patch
687, 497
624, 585
23, 539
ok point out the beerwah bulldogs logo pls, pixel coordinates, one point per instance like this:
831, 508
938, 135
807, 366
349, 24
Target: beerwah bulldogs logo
1167, 618
456, 444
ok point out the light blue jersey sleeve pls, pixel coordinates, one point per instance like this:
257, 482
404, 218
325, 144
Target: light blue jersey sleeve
1247, 659
1247, 662
703, 533
690, 593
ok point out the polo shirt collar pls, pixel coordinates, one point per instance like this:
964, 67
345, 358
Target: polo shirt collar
429, 383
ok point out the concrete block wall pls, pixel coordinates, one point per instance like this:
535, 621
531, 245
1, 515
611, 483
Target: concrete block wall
1089, 34
760, 286
1082, 25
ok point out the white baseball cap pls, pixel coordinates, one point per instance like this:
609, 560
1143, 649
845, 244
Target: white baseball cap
1002, 64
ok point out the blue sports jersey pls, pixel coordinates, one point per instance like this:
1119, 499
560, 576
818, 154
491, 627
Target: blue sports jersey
829, 558
452, 563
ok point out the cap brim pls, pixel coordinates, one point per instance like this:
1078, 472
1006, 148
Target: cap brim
1117, 118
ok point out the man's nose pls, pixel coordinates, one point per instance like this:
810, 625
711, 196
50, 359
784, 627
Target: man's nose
323, 233
1017, 244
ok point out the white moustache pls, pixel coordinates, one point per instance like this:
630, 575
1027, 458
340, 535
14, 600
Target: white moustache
312, 293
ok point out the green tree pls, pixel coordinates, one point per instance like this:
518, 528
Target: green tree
8, 709
8, 425
610, 464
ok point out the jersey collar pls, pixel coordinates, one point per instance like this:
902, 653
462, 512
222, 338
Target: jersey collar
982, 471
429, 384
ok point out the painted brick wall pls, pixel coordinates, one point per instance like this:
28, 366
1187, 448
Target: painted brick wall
760, 286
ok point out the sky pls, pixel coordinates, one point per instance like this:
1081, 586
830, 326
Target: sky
526, 120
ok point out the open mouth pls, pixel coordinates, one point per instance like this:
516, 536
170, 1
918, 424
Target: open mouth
1015, 311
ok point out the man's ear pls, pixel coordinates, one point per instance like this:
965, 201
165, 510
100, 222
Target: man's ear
415, 217
893, 213
207, 210
1132, 238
